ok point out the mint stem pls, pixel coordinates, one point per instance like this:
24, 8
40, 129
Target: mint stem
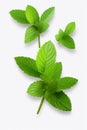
41, 103
39, 40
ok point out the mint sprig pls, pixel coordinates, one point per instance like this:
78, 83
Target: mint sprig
37, 24
51, 84
64, 38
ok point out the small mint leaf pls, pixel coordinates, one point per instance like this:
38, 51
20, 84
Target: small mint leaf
36, 89
60, 34
32, 14
67, 41
48, 14
19, 16
31, 34
70, 28
59, 100
66, 83
46, 56
27, 65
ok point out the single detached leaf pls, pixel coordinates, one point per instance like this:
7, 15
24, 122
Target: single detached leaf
67, 41
48, 14
66, 83
70, 28
32, 14
46, 56
60, 34
31, 34
19, 16
59, 100
27, 65
36, 89
42, 26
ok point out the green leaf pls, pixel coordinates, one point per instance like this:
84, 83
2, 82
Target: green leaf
31, 34
46, 56
67, 41
66, 83
52, 74
36, 89
70, 28
32, 14
48, 14
19, 16
59, 100
42, 26
58, 69
27, 65
59, 35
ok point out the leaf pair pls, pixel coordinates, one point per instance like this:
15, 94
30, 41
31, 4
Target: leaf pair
51, 85
64, 38
31, 16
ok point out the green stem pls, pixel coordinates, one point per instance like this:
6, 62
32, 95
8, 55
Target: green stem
41, 103
39, 40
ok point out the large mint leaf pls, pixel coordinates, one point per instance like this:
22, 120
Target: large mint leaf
46, 56
27, 65
66, 83
31, 34
47, 14
59, 100
70, 28
19, 16
32, 14
36, 89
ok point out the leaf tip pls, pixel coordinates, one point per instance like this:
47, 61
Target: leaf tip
15, 58
10, 12
27, 91
76, 80
70, 109
53, 8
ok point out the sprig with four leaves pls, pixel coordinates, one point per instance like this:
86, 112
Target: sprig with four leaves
37, 24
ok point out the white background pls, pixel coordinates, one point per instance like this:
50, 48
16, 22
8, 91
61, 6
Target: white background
17, 109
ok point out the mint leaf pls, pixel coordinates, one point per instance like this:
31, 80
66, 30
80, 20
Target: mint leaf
42, 26
58, 69
70, 28
31, 34
32, 14
60, 34
59, 100
19, 16
66, 83
46, 56
52, 74
27, 65
48, 14
67, 41
36, 89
